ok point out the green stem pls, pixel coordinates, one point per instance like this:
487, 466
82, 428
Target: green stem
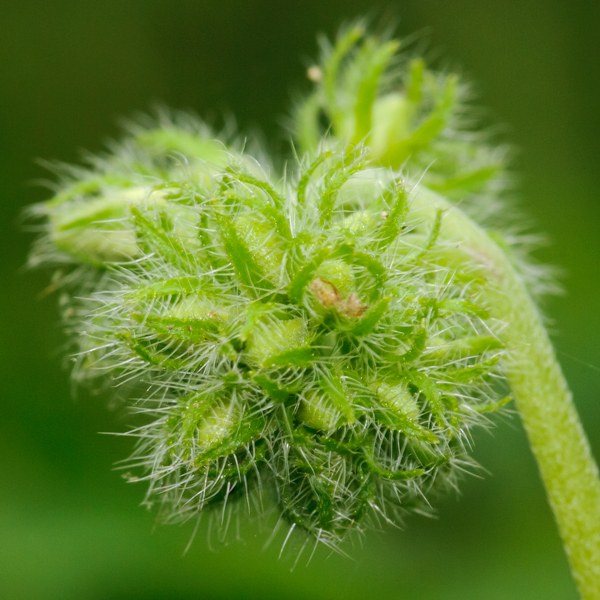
559, 444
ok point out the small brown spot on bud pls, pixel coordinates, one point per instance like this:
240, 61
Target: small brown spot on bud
353, 306
329, 297
327, 294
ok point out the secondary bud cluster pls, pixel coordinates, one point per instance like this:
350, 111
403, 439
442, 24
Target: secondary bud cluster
299, 338
408, 116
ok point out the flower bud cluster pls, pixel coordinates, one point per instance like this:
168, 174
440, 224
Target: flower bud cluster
296, 338
408, 116
307, 338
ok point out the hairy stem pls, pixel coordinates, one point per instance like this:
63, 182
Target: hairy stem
543, 399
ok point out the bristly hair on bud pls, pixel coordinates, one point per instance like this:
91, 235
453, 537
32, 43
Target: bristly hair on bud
322, 341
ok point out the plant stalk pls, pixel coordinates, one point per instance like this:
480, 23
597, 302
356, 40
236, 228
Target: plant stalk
557, 438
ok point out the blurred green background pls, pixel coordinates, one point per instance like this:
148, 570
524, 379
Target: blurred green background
70, 528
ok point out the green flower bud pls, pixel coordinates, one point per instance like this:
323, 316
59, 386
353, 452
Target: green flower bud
271, 338
331, 337
97, 231
408, 116
263, 323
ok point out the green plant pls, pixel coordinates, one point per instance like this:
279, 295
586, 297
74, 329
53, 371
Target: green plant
328, 337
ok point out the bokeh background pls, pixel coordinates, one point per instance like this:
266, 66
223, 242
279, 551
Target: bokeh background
70, 528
